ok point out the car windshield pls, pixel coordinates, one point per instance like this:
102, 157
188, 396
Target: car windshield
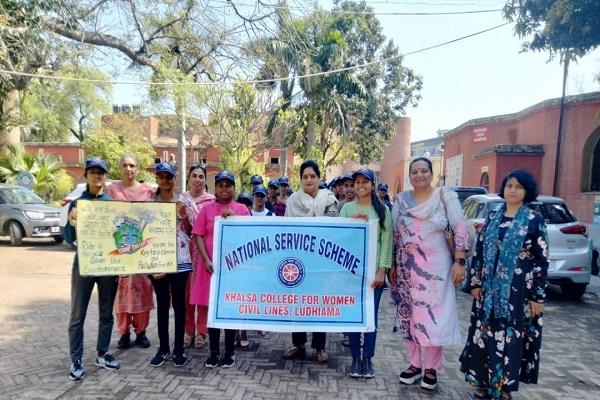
554, 213
19, 196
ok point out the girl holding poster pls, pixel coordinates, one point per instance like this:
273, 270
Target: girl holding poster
223, 206
134, 296
170, 288
195, 316
367, 206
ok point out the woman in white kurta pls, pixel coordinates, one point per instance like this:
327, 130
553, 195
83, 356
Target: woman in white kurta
424, 275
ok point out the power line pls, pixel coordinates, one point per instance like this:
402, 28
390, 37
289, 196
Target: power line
351, 12
258, 81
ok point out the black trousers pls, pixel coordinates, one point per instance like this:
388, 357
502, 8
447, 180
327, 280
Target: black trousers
81, 292
318, 340
214, 336
170, 289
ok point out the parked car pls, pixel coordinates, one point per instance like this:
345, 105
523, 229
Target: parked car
465, 192
24, 214
569, 248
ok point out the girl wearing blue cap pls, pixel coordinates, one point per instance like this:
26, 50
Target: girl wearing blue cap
170, 288
224, 206
96, 172
367, 206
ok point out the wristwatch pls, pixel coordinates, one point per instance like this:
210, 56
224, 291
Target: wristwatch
461, 261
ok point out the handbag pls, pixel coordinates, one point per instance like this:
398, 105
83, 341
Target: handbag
449, 234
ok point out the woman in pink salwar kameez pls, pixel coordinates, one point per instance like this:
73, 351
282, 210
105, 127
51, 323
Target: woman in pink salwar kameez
424, 275
134, 299
196, 315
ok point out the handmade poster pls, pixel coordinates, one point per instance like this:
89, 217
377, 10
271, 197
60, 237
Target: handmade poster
123, 238
293, 274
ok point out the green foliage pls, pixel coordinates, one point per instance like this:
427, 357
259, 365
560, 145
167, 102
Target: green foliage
557, 26
48, 175
122, 134
23, 48
343, 114
236, 124
54, 110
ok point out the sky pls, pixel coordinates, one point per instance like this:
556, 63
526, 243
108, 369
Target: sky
476, 77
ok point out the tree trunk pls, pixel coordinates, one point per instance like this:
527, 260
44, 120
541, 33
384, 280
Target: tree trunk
310, 137
11, 110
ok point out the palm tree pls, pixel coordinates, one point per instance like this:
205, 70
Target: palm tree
44, 169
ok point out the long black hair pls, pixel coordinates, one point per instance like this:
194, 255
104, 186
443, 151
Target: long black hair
378, 206
379, 209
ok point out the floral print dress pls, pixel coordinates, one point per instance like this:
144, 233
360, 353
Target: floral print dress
501, 351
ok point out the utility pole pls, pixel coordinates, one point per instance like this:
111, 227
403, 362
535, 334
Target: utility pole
181, 156
560, 123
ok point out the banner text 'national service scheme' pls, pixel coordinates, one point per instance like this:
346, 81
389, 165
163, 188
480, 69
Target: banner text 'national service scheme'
124, 238
293, 274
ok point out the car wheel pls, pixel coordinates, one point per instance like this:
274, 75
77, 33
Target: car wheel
573, 291
58, 239
16, 233
595, 267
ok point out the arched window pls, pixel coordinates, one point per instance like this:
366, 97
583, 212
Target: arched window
484, 181
590, 166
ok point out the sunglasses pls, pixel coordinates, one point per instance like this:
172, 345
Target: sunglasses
165, 177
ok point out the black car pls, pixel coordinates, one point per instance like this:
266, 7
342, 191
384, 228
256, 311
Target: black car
466, 191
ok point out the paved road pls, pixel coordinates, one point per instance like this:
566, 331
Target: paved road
34, 360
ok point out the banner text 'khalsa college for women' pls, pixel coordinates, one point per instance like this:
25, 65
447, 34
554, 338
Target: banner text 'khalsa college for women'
293, 274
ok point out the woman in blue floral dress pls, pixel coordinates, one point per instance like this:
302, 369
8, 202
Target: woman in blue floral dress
508, 282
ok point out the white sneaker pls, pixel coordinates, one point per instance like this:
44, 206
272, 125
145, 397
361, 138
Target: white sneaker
107, 361
77, 371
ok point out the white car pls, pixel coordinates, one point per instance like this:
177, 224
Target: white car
569, 248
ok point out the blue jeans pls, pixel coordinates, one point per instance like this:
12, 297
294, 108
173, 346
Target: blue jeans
370, 337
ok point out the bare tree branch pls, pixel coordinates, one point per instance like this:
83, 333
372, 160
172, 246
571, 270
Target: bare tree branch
98, 39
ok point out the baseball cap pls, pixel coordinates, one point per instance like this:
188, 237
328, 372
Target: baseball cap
256, 180
260, 189
224, 175
274, 183
347, 177
366, 172
244, 198
96, 162
166, 167
382, 186
283, 180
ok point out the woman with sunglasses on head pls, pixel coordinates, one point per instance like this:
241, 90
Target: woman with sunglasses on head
367, 206
134, 297
224, 206
170, 288
196, 315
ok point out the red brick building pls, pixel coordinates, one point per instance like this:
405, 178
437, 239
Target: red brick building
163, 137
481, 151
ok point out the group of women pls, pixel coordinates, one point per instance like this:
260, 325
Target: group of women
507, 275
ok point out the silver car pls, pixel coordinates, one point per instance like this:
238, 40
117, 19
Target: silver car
569, 248
24, 214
